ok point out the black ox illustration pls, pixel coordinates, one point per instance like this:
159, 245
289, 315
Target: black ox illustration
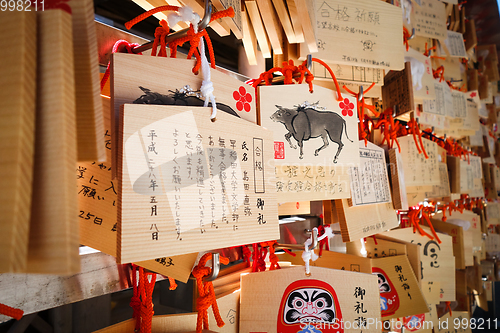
184, 97
304, 123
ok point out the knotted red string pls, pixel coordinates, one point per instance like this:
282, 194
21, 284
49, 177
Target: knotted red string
389, 128
415, 131
361, 106
247, 254
11, 312
192, 37
172, 283
119, 45
259, 256
425, 215
406, 37
206, 294
135, 301
161, 34
448, 307
324, 243
413, 217
297, 73
142, 299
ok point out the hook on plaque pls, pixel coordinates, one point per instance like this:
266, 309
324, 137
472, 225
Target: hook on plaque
436, 207
309, 61
314, 235
412, 34
394, 111
215, 268
360, 95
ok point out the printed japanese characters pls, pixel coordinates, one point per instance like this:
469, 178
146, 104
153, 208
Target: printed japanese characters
189, 185
315, 141
329, 300
366, 33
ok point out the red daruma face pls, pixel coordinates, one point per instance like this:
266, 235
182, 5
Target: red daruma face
309, 301
389, 299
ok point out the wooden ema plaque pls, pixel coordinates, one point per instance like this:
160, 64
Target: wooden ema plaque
398, 90
189, 184
438, 263
421, 71
97, 205
430, 19
270, 301
167, 81
53, 244
362, 221
369, 181
366, 33
17, 135
399, 291
89, 113
351, 74
419, 171
315, 141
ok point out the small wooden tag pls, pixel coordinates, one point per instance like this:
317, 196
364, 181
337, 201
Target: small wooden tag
398, 90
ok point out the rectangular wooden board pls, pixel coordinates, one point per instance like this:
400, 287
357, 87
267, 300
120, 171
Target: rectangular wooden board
173, 201
17, 135
319, 169
363, 221
89, 113
398, 90
158, 80
53, 243
430, 20
264, 297
398, 185
97, 205
421, 73
369, 31
418, 170
400, 294
370, 181
258, 27
438, 263
347, 73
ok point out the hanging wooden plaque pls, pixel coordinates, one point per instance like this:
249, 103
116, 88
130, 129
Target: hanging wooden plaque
458, 239
89, 113
53, 244
315, 141
17, 135
369, 32
362, 221
398, 90
438, 263
418, 170
97, 202
167, 81
369, 181
430, 19
347, 73
421, 72
273, 301
400, 294
399, 195
188, 184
